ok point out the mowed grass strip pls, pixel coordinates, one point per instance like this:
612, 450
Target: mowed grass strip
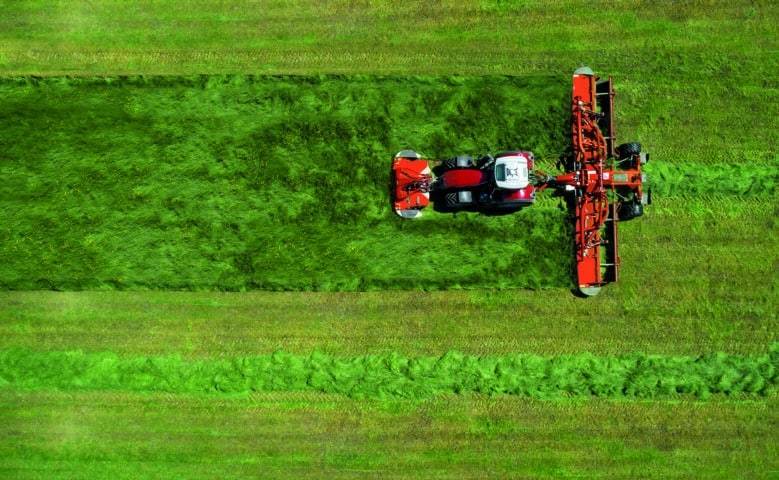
106, 37
211, 325
55, 435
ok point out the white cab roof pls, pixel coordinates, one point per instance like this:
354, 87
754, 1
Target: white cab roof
511, 172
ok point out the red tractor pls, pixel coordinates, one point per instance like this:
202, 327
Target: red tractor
602, 182
489, 185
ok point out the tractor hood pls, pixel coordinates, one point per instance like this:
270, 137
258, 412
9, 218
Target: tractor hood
511, 172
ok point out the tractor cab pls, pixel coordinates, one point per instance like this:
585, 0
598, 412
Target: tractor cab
511, 170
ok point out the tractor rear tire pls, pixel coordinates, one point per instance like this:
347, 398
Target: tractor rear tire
461, 161
458, 200
627, 150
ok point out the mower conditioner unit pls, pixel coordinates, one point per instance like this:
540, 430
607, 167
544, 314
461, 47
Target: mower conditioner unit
602, 183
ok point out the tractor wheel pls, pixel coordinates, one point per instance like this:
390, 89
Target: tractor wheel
627, 150
410, 154
630, 210
461, 161
458, 200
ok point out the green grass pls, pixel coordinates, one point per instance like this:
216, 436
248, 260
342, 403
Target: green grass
692, 179
93, 435
715, 59
696, 85
110, 37
383, 377
202, 325
280, 183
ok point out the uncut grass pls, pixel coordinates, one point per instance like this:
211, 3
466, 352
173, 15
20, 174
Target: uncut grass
264, 182
384, 377
91, 435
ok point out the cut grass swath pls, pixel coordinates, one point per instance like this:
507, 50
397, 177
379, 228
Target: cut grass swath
698, 179
633, 375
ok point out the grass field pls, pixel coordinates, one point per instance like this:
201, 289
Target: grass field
62, 435
131, 137
201, 325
